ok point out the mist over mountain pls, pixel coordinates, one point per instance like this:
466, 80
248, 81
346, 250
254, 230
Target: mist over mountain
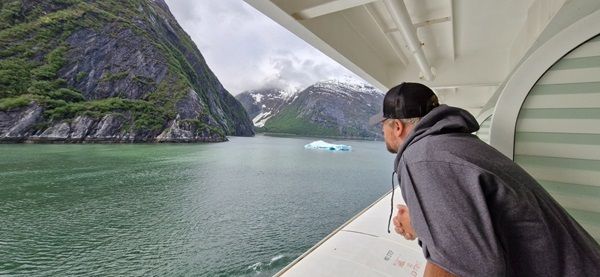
115, 71
334, 108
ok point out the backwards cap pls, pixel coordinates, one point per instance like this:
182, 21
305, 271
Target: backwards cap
406, 100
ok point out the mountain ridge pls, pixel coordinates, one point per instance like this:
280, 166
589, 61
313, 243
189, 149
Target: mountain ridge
331, 108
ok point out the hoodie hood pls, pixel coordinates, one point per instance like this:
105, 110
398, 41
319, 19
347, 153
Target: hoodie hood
441, 120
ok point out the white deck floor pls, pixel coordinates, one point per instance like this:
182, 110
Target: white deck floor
362, 247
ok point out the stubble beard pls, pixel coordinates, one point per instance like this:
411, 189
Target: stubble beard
390, 148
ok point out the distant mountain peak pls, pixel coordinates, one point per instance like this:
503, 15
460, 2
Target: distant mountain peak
347, 80
258, 94
262, 104
348, 83
289, 93
335, 108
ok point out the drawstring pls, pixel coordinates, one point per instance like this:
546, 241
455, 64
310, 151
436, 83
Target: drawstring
392, 203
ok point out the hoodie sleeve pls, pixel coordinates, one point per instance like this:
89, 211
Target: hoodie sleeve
449, 213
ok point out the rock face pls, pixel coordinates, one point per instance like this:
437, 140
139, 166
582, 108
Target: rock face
114, 71
331, 109
264, 103
16, 124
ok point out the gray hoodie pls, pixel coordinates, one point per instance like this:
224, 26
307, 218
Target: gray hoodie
477, 213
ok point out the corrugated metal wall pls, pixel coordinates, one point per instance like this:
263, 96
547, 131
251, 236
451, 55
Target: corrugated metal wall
558, 133
484, 129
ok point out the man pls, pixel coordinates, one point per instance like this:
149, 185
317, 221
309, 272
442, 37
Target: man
474, 211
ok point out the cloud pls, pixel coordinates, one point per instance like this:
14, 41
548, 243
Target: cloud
247, 50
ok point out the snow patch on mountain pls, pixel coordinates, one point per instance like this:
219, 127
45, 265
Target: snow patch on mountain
261, 119
348, 87
262, 104
257, 97
289, 93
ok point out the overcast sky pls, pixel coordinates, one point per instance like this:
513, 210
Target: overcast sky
247, 50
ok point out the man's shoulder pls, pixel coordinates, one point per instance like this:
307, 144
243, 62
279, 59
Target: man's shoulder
461, 149
431, 150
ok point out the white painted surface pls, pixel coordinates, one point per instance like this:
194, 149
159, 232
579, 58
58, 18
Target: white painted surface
586, 50
362, 247
582, 100
539, 14
580, 75
578, 202
329, 7
550, 125
563, 175
524, 77
558, 150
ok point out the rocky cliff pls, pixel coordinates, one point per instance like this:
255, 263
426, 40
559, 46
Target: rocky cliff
107, 70
325, 109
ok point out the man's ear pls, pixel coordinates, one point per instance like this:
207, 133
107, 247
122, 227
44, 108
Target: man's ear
398, 127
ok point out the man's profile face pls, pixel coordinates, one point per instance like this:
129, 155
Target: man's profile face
388, 136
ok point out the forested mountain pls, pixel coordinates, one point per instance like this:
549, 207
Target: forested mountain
107, 70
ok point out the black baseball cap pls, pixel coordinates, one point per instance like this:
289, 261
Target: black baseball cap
406, 100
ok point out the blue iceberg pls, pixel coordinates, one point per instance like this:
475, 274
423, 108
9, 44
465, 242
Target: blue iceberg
321, 145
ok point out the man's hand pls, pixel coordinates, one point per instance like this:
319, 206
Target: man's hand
402, 223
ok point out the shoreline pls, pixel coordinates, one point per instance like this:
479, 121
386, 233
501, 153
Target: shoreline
103, 141
30, 140
270, 134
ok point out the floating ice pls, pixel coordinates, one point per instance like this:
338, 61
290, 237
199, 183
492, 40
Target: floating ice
321, 145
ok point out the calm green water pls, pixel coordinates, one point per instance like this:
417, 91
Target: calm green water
246, 207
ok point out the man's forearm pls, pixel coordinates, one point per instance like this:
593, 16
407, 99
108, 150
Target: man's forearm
432, 270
